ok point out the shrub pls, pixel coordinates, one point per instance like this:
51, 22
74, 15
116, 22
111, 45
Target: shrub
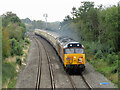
93, 47
112, 59
19, 50
27, 41
18, 61
16, 48
99, 55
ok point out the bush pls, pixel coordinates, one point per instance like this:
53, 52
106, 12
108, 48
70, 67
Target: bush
19, 50
27, 41
16, 48
94, 47
18, 61
99, 55
112, 59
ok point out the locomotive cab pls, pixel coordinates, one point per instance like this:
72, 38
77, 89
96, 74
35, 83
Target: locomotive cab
74, 56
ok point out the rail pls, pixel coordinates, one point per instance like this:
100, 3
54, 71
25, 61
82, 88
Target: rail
89, 86
39, 65
50, 67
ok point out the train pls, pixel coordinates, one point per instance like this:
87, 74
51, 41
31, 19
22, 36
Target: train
71, 52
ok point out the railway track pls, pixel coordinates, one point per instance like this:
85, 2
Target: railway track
39, 65
51, 71
50, 66
83, 78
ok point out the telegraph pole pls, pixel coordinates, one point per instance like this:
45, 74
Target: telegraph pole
45, 15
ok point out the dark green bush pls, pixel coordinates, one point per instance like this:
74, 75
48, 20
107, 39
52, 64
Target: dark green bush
18, 61
16, 48
27, 41
99, 55
19, 50
112, 59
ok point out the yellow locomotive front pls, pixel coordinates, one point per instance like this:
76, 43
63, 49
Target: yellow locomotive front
74, 56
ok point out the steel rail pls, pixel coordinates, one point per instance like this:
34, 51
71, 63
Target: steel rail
39, 66
89, 86
71, 81
50, 67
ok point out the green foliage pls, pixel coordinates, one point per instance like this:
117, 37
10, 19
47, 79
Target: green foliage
8, 72
27, 41
18, 61
94, 25
108, 24
12, 83
99, 55
31, 25
13, 25
112, 59
13, 33
16, 48
97, 29
5, 44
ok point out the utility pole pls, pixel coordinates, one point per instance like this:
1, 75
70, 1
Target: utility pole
45, 15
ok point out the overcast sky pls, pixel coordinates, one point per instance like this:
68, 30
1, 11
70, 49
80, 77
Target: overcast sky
56, 9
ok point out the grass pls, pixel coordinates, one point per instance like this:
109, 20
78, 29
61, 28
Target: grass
8, 72
12, 83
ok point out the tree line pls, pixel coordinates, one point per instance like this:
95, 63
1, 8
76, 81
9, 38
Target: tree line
13, 38
33, 24
13, 31
96, 24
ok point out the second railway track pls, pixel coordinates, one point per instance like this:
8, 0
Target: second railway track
39, 64
50, 68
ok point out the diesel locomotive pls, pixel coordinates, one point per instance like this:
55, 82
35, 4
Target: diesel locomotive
71, 52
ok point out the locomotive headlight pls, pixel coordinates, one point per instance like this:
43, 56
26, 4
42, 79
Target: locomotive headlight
80, 60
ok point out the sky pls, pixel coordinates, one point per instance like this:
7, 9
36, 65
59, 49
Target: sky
56, 9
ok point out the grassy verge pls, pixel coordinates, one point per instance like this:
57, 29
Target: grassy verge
8, 72
12, 65
108, 71
104, 62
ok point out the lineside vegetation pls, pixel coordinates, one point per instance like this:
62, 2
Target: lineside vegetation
13, 44
97, 29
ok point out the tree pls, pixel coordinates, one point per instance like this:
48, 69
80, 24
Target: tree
5, 44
